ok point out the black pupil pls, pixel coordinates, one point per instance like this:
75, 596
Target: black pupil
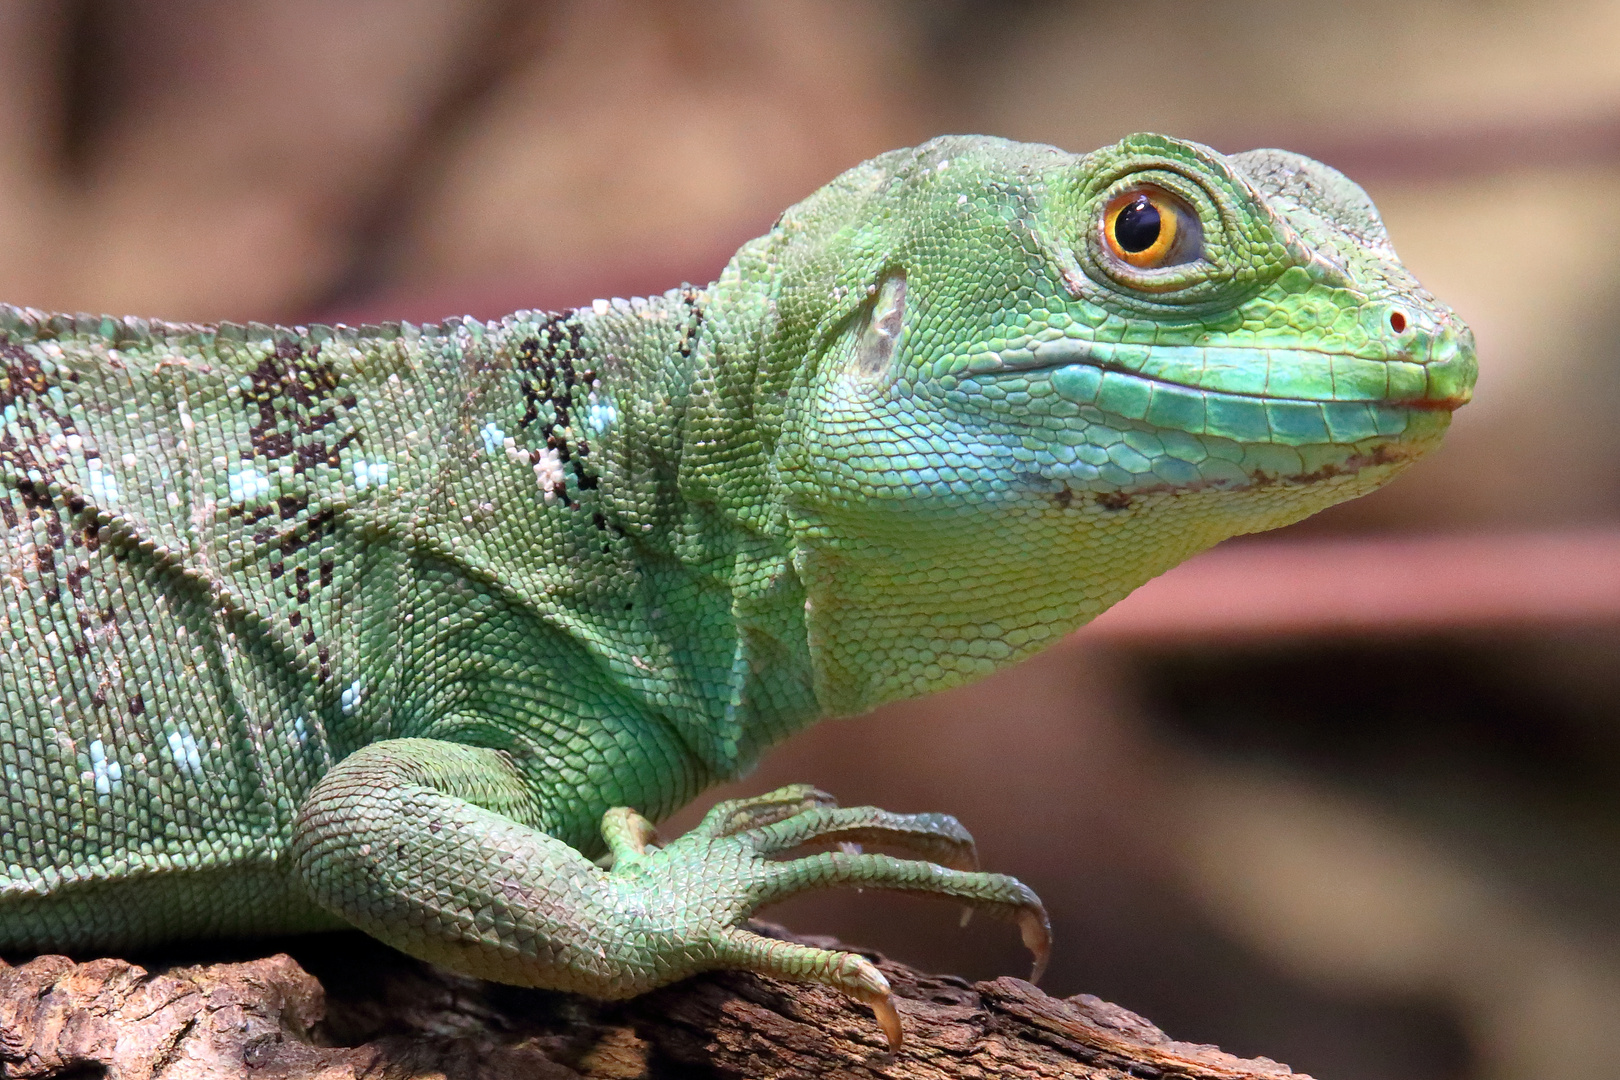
1137, 226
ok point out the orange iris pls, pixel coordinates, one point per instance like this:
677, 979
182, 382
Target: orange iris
1141, 225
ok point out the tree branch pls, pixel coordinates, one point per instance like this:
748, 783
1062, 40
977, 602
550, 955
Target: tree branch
385, 1015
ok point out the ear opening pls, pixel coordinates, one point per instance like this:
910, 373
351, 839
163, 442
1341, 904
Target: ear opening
880, 336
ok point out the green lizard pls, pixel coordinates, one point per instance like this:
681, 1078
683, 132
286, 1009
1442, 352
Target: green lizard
389, 627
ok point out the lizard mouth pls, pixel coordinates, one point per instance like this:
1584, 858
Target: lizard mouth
1289, 397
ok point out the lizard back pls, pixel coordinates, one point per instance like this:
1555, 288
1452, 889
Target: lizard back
236, 554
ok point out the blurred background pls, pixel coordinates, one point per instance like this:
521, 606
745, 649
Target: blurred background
1348, 795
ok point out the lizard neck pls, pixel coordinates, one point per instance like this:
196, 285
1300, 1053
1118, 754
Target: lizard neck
732, 524
640, 416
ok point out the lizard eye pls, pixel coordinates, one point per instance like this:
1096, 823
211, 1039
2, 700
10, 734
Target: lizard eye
1147, 227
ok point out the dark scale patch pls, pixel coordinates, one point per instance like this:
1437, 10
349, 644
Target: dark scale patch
585, 480
25, 383
297, 537
551, 383
292, 390
694, 322
305, 533
41, 509
23, 377
1114, 500
75, 580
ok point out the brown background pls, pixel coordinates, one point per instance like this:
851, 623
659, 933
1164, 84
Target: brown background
1381, 856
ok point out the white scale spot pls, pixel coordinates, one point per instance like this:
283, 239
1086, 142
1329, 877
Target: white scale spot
248, 484
370, 472
548, 473
494, 438
183, 749
352, 697
299, 736
105, 772
601, 414
102, 486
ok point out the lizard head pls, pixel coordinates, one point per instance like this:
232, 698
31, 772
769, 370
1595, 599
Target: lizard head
1018, 383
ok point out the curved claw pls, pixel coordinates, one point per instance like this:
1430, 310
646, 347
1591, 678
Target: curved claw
849, 973
889, 1020
1036, 930
866, 984
739, 839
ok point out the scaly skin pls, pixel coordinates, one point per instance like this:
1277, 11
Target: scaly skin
388, 626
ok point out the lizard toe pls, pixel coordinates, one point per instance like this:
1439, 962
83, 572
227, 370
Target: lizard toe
938, 838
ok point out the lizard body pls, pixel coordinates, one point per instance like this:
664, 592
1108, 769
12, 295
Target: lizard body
386, 626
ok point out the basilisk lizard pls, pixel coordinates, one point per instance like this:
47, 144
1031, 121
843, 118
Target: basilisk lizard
391, 626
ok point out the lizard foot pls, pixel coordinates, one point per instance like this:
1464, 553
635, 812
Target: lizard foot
715, 876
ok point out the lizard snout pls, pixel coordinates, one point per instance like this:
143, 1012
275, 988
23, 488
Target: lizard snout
1451, 368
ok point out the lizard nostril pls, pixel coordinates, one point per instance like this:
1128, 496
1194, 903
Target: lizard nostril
1397, 322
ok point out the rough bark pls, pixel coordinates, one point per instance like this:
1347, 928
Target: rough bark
382, 1015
